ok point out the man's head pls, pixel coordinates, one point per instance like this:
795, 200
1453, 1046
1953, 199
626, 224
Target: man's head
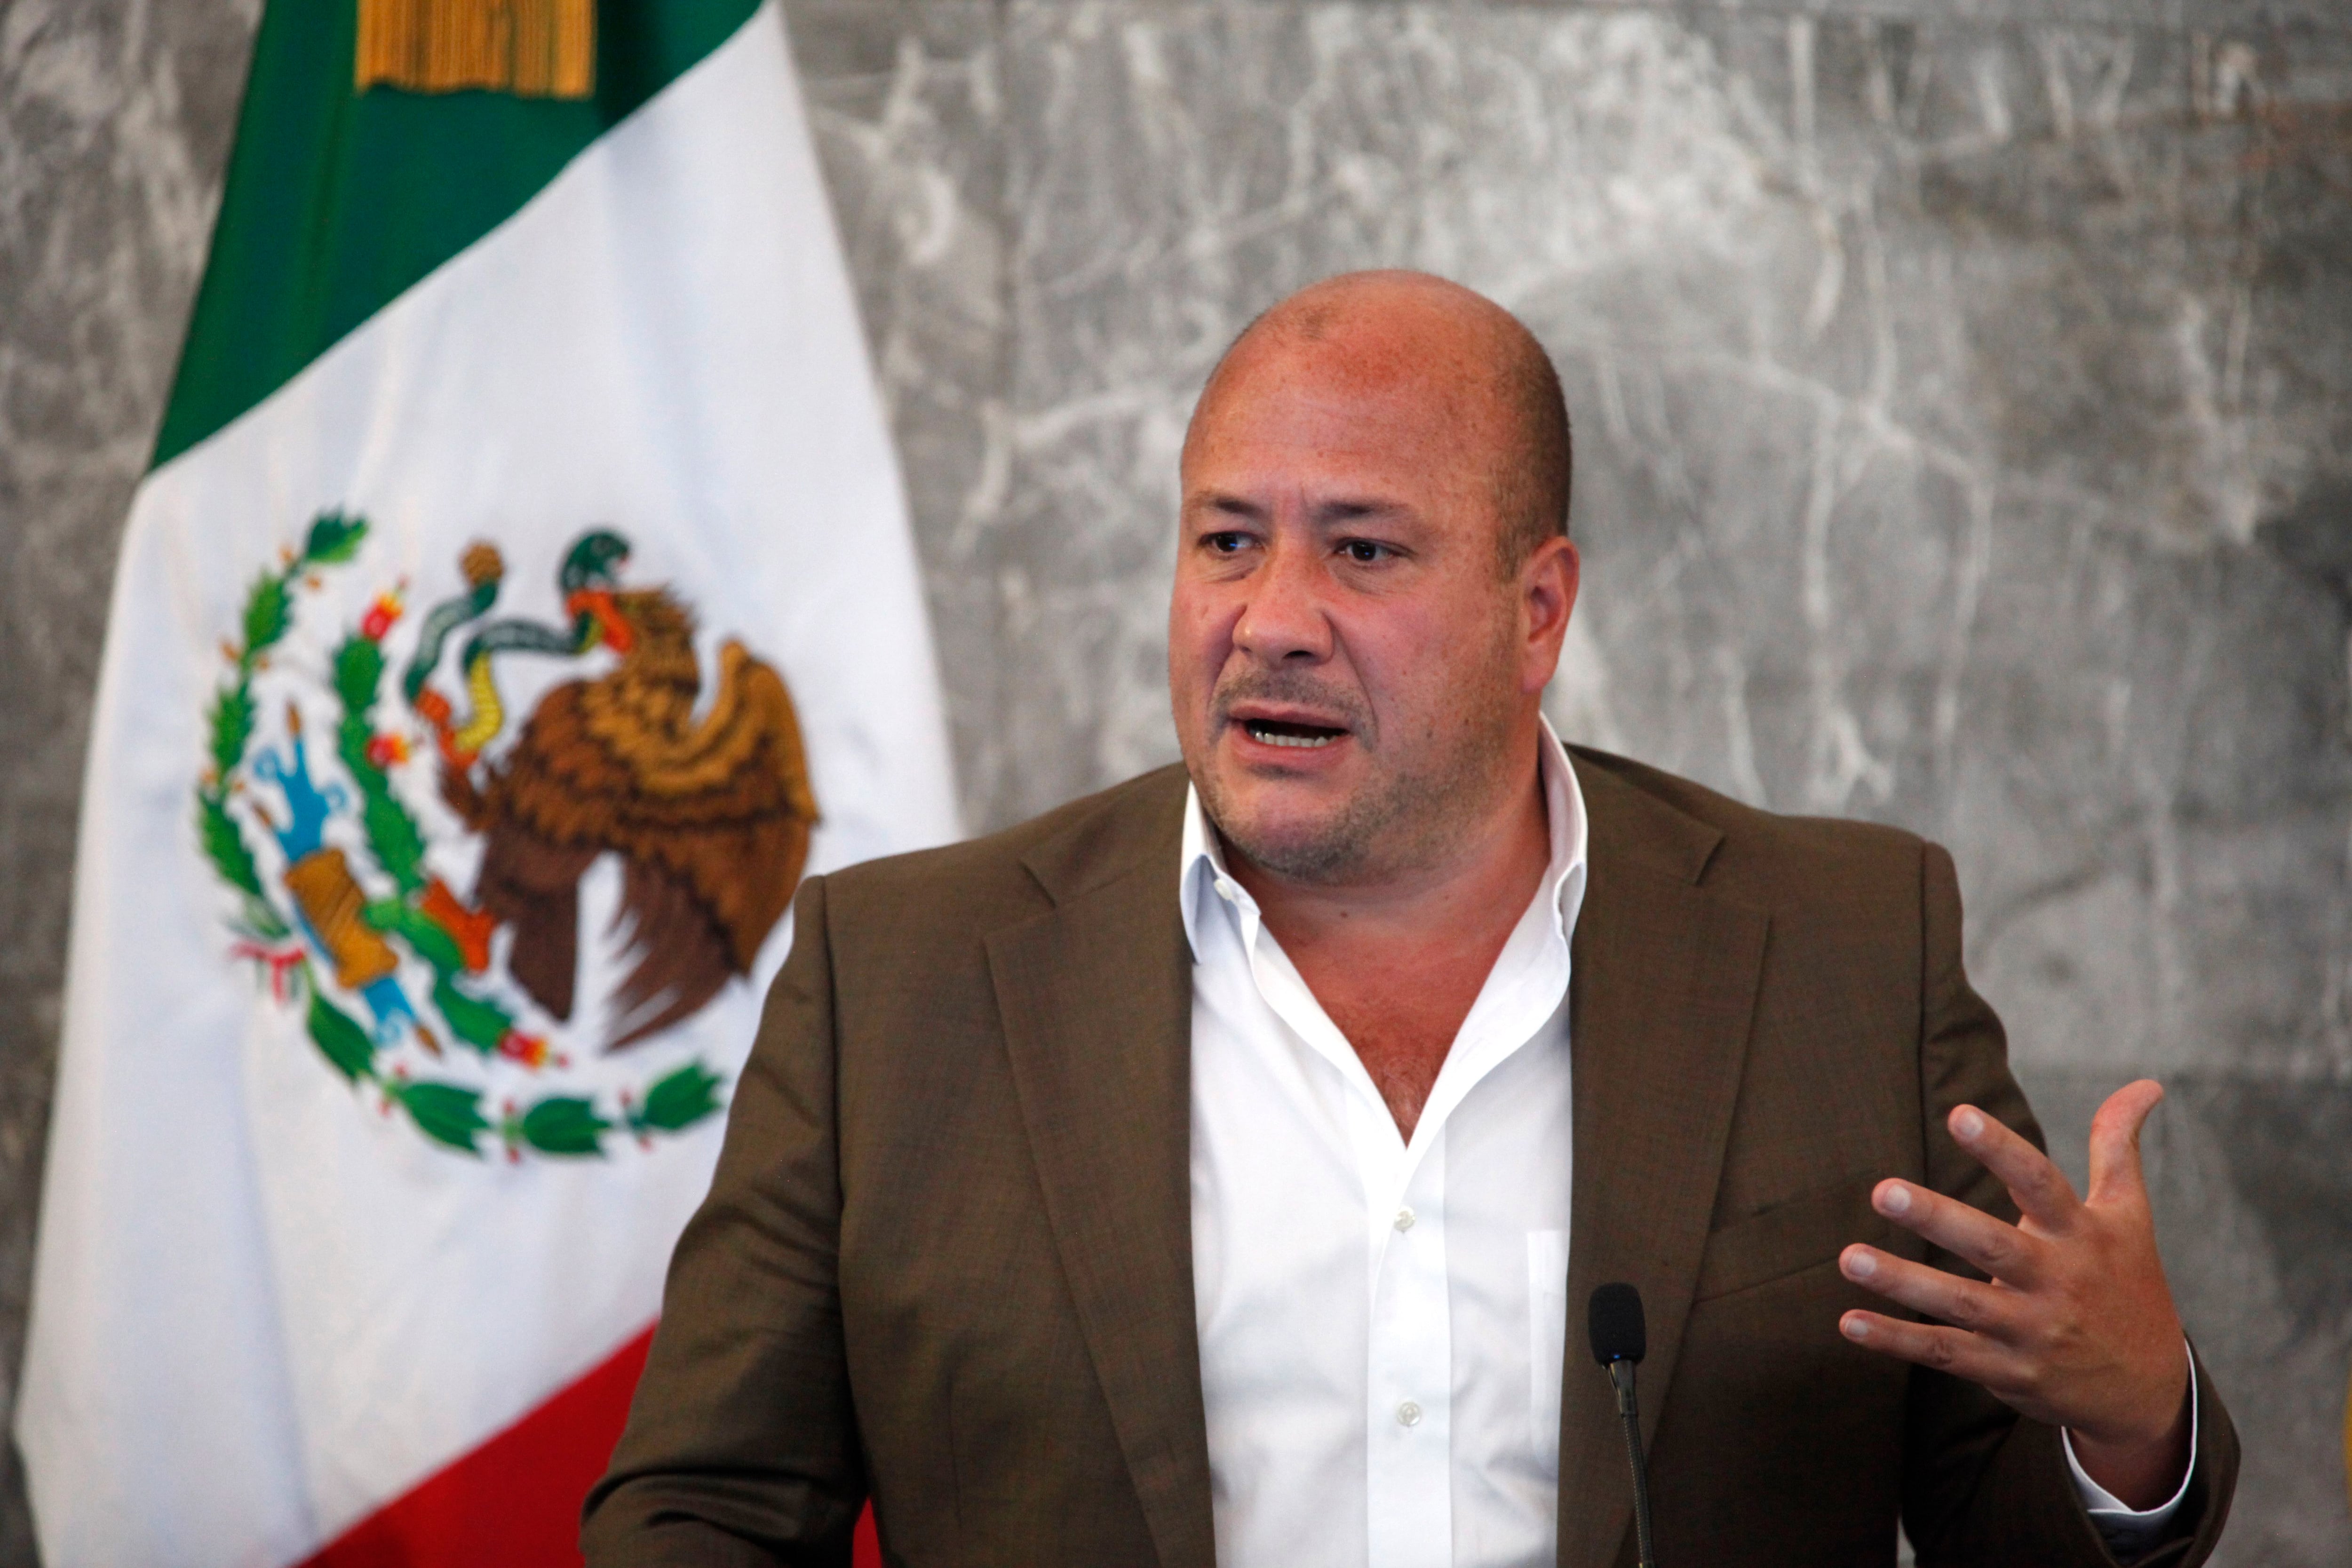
1373, 575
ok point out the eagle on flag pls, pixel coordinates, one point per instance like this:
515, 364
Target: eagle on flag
710, 817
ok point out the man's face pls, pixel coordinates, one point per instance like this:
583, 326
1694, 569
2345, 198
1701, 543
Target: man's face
1346, 661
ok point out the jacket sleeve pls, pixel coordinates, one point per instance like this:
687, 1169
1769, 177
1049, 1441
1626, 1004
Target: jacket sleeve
1982, 1484
741, 1447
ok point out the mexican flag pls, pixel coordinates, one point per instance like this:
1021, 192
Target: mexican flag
520, 602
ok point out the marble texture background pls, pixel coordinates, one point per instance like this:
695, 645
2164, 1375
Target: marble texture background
1963, 402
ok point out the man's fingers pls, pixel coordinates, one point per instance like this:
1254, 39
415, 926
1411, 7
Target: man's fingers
1963, 1303
1955, 1351
2114, 1141
2032, 1178
2001, 1250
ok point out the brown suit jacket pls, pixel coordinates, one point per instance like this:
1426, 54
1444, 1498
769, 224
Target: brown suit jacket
946, 1259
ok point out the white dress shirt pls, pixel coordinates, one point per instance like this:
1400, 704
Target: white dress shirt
1382, 1320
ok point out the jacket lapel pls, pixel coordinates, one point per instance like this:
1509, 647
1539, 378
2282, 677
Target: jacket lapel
1663, 988
1097, 1002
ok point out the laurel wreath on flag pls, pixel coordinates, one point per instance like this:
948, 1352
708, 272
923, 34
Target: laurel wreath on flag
287, 945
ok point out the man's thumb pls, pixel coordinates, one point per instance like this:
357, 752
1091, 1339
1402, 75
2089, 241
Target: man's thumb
2115, 1141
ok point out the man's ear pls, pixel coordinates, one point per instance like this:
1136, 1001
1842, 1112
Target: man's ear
1548, 587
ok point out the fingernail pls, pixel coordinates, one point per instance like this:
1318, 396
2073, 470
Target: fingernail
1855, 1329
1894, 1200
1969, 1124
1861, 1265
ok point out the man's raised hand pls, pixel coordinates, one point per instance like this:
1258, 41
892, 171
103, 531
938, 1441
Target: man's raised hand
2077, 1326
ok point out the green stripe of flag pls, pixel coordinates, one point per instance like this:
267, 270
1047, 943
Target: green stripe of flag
337, 200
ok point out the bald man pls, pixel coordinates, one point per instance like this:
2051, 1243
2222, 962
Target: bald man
1210, 1171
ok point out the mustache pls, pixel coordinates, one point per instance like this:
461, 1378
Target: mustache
1289, 686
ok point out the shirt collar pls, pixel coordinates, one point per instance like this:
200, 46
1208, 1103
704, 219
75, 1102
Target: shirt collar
1201, 862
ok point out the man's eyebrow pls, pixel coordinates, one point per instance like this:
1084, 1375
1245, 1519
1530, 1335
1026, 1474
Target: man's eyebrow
1349, 510
1345, 508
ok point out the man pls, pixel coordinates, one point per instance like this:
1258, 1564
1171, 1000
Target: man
1209, 1171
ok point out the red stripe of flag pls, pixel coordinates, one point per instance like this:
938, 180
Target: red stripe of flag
514, 1502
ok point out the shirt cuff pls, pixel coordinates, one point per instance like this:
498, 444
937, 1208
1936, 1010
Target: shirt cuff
2132, 1533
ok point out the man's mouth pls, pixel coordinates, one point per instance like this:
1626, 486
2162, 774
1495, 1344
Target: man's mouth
1283, 732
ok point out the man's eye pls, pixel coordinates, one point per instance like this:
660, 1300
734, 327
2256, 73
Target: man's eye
1363, 552
1225, 544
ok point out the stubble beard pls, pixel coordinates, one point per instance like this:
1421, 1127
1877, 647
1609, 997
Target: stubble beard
1404, 818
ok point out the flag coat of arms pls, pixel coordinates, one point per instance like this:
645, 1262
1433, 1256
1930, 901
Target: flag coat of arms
520, 603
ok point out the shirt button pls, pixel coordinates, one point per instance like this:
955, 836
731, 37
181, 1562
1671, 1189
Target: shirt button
1405, 1220
1408, 1414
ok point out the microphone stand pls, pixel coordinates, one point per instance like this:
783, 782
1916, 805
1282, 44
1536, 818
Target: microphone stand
1621, 1377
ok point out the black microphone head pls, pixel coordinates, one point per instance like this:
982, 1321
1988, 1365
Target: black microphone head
1615, 1319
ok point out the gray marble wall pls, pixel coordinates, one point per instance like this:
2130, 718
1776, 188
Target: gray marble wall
1964, 395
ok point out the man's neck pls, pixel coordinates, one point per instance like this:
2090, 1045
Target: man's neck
1397, 963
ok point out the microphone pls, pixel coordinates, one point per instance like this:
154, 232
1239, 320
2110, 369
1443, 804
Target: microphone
1620, 1339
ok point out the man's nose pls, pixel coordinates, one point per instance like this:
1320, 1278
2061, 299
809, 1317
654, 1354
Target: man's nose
1284, 617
